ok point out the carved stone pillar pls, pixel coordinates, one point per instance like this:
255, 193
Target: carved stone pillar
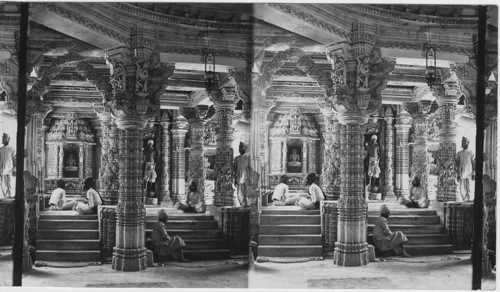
403, 125
129, 253
304, 158
419, 165
165, 182
351, 246
89, 155
284, 153
134, 100
179, 158
331, 163
389, 158
196, 156
311, 147
224, 103
60, 161
275, 160
447, 99
104, 171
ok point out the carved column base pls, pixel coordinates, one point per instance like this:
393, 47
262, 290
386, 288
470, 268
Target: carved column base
351, 255
329, 217
129, 259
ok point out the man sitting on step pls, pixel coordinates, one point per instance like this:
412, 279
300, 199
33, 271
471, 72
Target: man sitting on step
281, 194
58, 198
418, 196
385, 239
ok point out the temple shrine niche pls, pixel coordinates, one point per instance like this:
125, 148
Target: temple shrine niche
70, 148
293, 147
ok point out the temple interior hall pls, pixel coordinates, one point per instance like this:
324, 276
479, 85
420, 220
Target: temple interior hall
248, 137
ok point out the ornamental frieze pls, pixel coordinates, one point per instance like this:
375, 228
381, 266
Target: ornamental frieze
311, 19
418, 47
53, 7
295, 95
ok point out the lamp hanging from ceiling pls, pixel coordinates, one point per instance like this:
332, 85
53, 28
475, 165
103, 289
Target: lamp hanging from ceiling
209, 66
430, 61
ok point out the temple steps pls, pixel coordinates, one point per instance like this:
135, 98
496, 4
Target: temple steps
413, 228
296, 239
200, 232
68, 255
408, 219
290, 251
63, 236
190, 234
68, 244
68, 234
68, 224
186, 224
287, 231
290, 229
422, 227
290, 219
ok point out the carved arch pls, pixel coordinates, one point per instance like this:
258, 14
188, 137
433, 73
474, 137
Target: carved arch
303, 62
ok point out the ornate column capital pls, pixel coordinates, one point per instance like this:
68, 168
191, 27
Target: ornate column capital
180, 124
449, 91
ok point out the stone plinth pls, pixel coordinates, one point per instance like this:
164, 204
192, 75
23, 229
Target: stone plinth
329, 218
459, 222
235, 226
107, 229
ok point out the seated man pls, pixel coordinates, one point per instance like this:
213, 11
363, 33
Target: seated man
195, 200
385, 239
58, 198
418, 196
163, 244
280, 192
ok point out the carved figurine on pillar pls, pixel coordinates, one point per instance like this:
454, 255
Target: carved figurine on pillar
7, 168
242, 173
149, 187
465, 169
373, 154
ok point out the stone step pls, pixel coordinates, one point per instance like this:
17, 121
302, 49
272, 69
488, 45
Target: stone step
68, 234
181, 216
189, 234
206, 244
67, 224
290, 219
296, 239
68, 255
408, 219
208, 254
289, 251
51, 216
407, 211
68, 244
289, 229
429, 249
415, 239
412, 229
289, 212
186, 224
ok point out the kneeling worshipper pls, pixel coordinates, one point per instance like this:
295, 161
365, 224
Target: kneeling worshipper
164, 245
385, 239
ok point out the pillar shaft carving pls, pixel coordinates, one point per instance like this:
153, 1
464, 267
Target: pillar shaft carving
196, 157
224, 103
389, 159
351, 246
129, 252
403, 125
109, 168
331, 162
60, 161
178, 158
419, 165
447, 99
165, 182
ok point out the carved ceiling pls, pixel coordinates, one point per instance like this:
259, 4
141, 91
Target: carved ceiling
243, 36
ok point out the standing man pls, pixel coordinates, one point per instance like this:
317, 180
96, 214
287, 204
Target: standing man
373, 154
242, 170
465, 172
7, 170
